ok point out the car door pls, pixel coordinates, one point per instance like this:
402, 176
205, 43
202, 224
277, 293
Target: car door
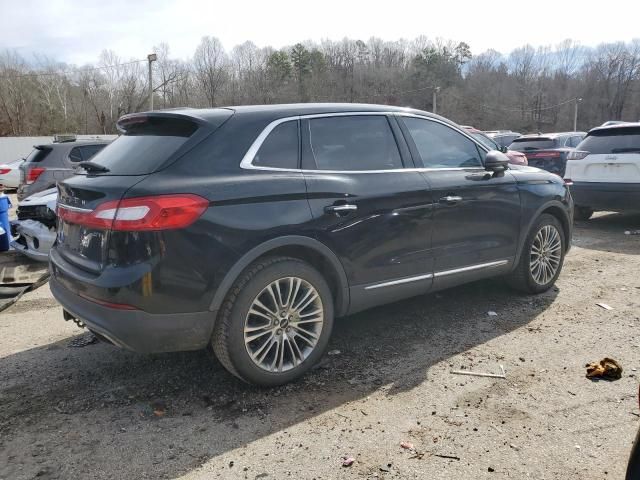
369, 205
476, 220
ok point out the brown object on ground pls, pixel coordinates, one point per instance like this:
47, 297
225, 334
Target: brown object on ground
607, 368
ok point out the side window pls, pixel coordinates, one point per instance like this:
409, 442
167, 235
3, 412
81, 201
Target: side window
75, 155
358, 142
440, 146
280, 149
90, 150
575, 141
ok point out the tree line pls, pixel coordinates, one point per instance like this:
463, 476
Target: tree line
529, 89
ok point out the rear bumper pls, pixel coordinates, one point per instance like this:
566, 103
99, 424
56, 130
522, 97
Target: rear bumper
606, 196
137, 330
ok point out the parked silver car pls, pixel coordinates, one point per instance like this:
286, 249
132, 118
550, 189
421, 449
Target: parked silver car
50, 163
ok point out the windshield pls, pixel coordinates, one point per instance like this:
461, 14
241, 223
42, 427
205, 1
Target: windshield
38, 154
486, 141
145, 144
618, 140
527, 144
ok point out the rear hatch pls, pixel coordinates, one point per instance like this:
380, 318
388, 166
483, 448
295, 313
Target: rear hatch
607, 155
88, 202
542, 152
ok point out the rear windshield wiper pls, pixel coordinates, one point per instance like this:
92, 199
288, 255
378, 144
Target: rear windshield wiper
93, 167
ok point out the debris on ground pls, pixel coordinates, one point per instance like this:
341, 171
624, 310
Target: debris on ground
632, 232
480, 374
452, 457
83, 340
605, 306
407, 445
347, 461
607, 369
491, 313
334, 352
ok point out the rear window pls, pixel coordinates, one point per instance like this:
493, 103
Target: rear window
618, 140
38, 154
525, 144
145, 144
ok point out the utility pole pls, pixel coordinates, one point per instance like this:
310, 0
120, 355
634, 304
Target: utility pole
434, 99
152, 57
575, 114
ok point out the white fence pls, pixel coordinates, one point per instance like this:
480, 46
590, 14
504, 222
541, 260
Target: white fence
15, 148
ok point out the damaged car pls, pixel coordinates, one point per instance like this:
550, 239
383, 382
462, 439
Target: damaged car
35, 229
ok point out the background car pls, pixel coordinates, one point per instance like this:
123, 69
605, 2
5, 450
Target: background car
35, 229
10, 175
504, 138
248, 229
50, 163
515, 157
548, 151
604, 170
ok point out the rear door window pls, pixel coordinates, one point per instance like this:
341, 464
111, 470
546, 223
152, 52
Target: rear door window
281, 147
89, 151
75, 155
353, 143
145, 145
441, 146
612, 141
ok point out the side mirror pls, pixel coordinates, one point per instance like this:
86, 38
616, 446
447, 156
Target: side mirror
504, 149
496, 161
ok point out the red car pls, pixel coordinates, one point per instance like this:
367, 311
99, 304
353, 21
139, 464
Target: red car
516, 158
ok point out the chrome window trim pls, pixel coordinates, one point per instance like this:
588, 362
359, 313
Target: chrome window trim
442, 273
247, 160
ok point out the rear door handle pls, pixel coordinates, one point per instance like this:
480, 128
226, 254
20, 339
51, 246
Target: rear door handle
341, 209
450, 199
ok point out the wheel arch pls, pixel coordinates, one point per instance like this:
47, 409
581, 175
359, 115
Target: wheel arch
558, 210
305, 248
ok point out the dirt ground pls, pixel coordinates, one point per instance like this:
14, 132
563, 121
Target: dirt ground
99, 412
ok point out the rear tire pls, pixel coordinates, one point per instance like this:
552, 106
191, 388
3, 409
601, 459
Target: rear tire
542, 257
275, 323
582, 213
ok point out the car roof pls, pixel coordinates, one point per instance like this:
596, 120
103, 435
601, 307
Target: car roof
549, 136
276, 111
614, 127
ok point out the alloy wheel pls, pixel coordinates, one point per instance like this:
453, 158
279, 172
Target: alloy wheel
546, 253
283, 324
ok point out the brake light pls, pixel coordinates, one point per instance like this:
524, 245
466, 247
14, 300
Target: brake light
544, 155
577, 155
161, 212
4, 171
34, 173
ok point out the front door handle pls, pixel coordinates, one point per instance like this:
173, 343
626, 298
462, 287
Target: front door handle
341, 209
450, 199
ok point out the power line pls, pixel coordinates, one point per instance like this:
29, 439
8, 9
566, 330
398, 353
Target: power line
77, 70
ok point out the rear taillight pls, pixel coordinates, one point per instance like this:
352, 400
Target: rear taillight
34, 173
4, 171
577, 155
544, 155
161, 212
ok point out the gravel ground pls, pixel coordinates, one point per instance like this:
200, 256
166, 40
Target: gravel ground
99, 412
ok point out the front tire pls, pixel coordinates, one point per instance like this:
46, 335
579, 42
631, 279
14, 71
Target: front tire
582, 213
542, 257
275, 323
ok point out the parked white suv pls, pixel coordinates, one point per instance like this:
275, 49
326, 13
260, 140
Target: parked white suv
604, 170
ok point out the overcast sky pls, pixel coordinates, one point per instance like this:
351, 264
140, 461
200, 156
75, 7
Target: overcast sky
77, 31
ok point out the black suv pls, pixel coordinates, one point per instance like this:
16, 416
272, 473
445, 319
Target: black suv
249, 229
